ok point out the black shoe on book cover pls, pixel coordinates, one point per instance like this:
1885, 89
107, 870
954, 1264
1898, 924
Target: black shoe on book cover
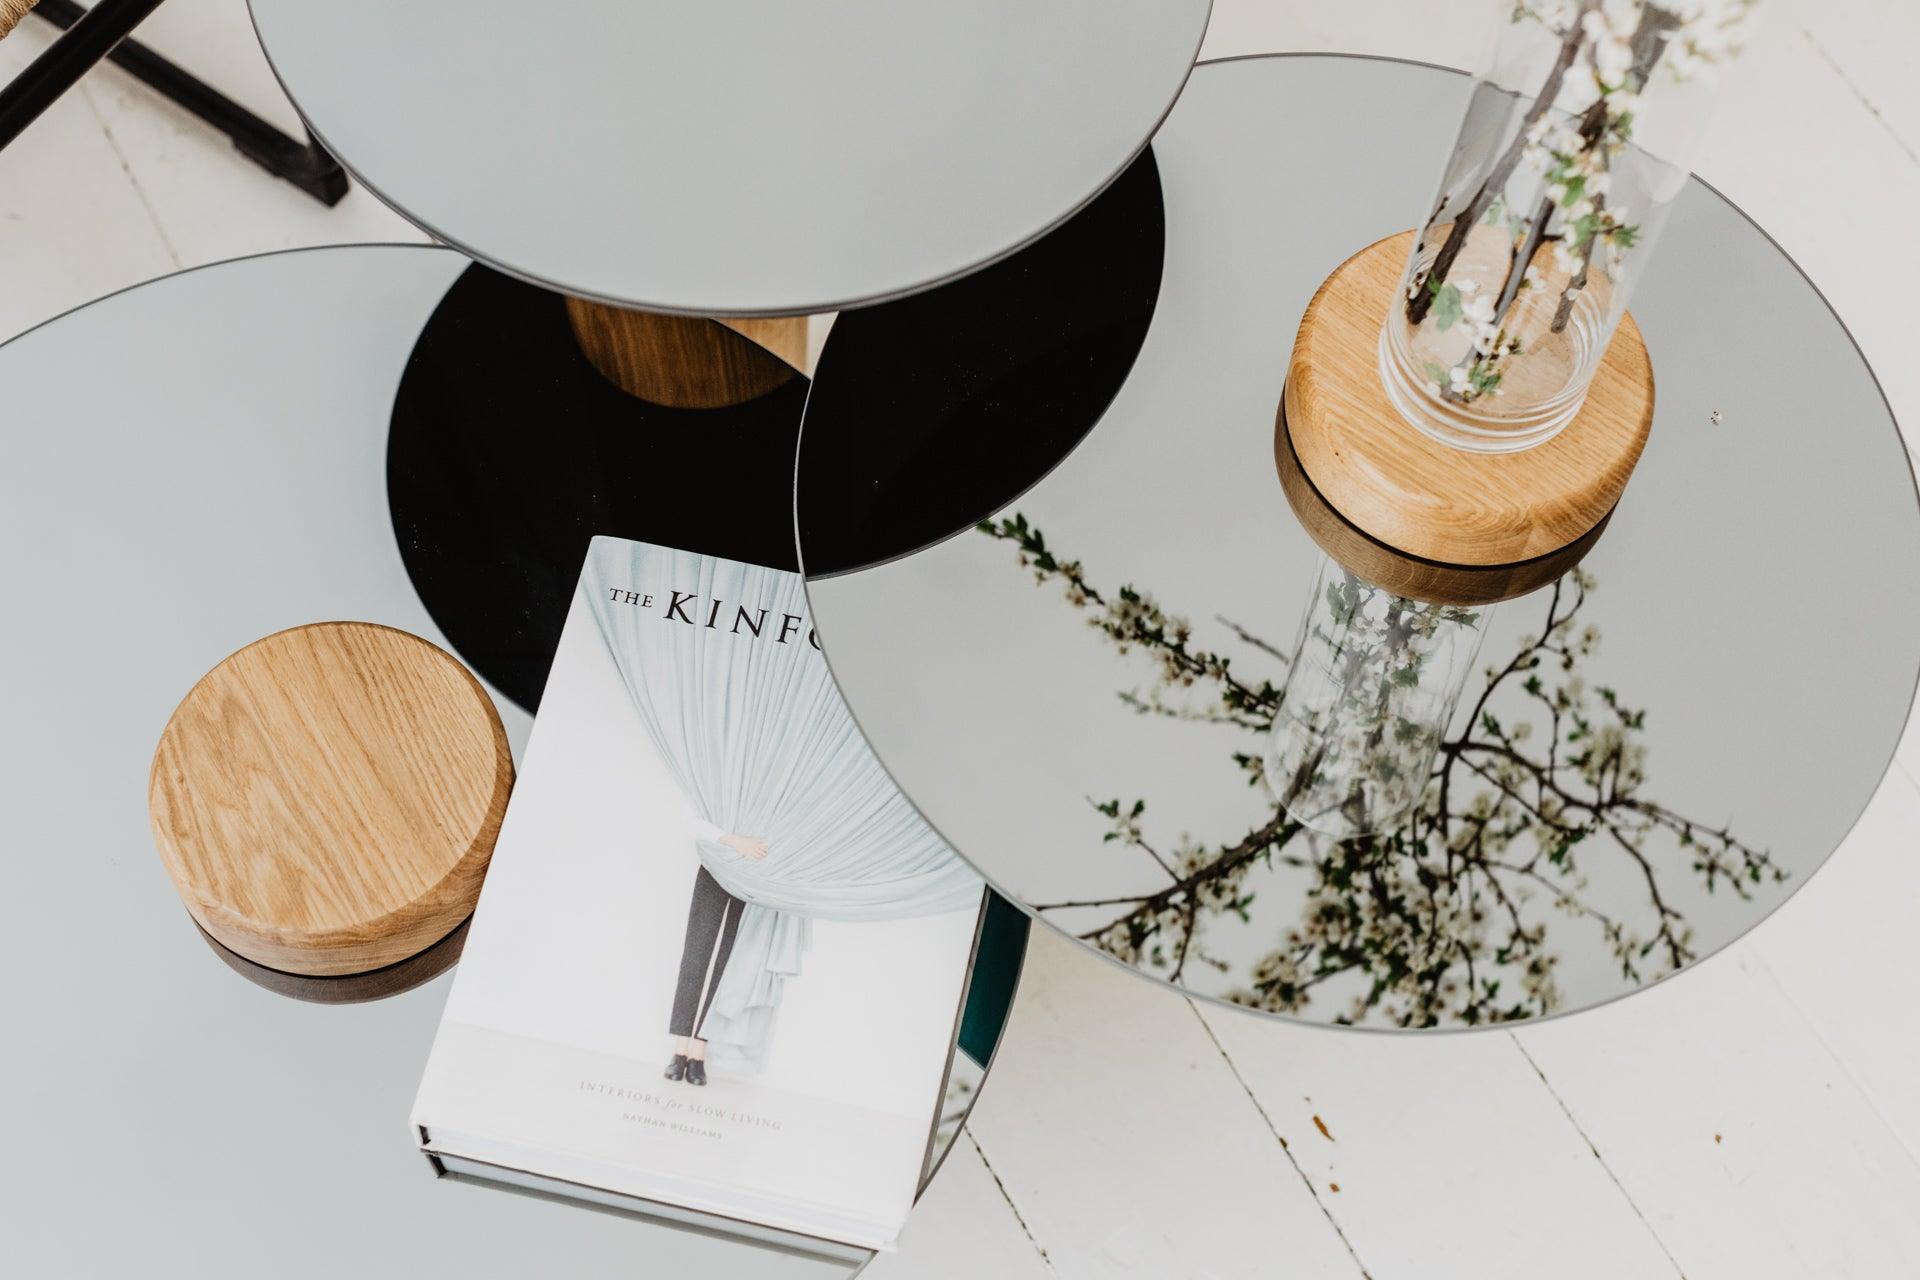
677, 1068
696, 1071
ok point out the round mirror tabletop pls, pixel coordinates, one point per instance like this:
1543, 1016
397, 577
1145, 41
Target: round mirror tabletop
193, 464
730, 157
1069, 652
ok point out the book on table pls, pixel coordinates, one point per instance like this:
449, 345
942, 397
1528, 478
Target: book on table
716, 971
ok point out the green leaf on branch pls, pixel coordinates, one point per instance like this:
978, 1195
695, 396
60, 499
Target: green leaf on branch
1342, 598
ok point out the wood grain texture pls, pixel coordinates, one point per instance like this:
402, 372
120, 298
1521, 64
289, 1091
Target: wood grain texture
11, 11
784, 336
326, 800
686, 362
1398, 572
1413, 493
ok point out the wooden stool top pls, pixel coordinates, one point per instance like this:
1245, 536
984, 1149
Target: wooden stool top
327, 799
11, 11
1426, 498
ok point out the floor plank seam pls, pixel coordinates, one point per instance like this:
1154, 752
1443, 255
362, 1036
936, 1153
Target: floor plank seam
1601, 1160
153, 214
1285, 1150
1045, 1260
1864, 100
1765, 971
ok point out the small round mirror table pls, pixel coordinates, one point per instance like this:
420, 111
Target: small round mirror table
1065, 623
428, 439
229, 479
625, 173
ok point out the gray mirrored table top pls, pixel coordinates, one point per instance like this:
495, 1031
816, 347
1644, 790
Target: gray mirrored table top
726, 157
1750, 637
190, 465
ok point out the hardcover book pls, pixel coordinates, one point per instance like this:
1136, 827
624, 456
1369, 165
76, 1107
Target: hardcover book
717, 967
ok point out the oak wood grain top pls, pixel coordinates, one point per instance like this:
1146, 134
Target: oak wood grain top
1406, 575
326, 800
1426, 498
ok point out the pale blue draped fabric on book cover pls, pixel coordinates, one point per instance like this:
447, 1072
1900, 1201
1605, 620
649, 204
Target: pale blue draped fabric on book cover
757, 736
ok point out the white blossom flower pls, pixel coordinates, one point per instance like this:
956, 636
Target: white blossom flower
1622, 16
1612, 59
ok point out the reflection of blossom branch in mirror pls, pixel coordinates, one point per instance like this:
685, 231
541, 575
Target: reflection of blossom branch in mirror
1371, 684
1426, 923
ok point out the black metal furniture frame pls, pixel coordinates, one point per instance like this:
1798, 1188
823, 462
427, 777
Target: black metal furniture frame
91, 34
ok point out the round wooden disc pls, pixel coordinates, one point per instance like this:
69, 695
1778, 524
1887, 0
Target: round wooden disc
1428, 499
685, 362
1400, 573
326, 799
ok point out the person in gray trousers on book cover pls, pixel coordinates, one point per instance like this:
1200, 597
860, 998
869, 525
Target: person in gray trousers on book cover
713, 917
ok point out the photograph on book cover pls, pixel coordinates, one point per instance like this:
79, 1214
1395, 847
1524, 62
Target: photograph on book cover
719, 958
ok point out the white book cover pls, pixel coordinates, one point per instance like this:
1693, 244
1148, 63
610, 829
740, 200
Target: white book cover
703, 859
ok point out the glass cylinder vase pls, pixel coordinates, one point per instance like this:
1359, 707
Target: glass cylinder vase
1576, 140
1373, 681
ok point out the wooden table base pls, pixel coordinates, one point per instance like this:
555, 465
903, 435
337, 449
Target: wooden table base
1430, 580
326, 799
1426, 499
687, 362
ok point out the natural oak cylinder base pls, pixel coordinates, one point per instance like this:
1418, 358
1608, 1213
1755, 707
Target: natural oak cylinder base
326, 800
1418, 496
687, 362
1406, 575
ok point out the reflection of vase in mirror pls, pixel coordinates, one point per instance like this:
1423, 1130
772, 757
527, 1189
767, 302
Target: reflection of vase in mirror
1577, 139
1372, 684
1536, 836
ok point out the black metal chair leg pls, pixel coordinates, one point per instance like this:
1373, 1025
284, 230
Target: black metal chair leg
101, 32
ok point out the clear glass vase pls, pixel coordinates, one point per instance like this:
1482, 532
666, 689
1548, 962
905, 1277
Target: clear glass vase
1576, 140
1373, 682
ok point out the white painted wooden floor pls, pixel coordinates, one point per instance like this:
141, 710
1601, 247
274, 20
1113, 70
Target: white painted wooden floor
1759, 1117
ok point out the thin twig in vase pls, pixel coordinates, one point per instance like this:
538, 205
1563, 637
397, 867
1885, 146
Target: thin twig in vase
1496, 180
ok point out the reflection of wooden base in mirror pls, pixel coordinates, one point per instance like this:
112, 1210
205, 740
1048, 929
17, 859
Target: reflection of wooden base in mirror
326, 799
686, 362
1417, 496
350, 988
1406, 575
